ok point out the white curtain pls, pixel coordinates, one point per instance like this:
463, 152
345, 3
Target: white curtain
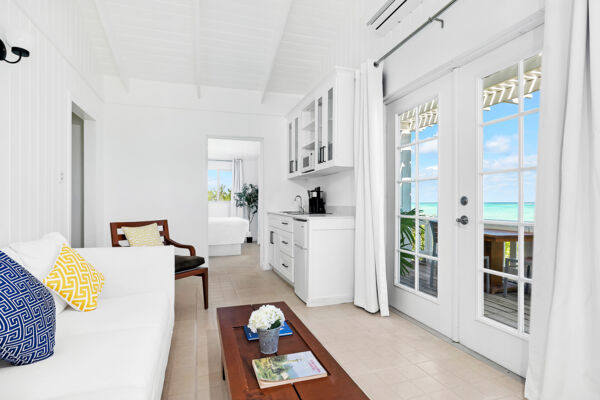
370, 284
237, 181
564, 352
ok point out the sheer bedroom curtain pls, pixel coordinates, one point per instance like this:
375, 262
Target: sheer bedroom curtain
237, 181
564, 353
370, 284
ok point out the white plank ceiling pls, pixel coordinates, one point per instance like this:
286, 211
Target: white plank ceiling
264, 45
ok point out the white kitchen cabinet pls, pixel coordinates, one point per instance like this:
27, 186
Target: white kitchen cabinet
323, 266
280, 250
320, 128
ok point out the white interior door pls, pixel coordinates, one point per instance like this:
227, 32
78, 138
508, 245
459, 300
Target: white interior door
497, 155
420, 127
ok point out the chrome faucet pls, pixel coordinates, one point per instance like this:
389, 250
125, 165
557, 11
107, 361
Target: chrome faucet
300, 207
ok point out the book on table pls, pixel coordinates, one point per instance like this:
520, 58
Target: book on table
287, 368
284, 331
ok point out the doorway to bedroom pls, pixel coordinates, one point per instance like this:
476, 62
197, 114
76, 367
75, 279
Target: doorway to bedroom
234, 206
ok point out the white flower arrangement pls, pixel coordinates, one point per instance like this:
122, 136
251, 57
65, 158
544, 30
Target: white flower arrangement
266, 317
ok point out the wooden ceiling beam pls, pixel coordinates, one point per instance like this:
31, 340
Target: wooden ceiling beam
279, 31
106, 23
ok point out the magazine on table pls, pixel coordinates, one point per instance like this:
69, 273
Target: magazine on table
287, 368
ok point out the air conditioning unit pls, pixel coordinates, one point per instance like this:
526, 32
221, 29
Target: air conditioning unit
390, 14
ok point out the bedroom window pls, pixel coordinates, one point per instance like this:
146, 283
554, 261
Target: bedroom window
219, 184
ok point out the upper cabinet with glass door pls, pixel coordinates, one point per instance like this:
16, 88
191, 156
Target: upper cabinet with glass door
320, 129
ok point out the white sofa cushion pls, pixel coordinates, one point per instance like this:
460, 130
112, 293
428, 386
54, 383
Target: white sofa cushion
89, 363
39, 256
144, 310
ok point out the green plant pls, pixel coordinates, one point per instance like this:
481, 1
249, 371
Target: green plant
408, 240
219, 194
248, 198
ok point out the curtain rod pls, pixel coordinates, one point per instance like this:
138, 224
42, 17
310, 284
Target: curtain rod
419, 29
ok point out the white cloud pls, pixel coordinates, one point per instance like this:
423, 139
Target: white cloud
428, 147
501, 163
498, 144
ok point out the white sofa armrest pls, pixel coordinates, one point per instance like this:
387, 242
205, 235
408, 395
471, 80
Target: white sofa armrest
130, 270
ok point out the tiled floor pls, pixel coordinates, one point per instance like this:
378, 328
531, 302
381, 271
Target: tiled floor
390, 358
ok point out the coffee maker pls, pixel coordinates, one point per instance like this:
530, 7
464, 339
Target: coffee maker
316, 201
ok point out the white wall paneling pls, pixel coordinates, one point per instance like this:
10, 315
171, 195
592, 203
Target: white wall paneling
36, 115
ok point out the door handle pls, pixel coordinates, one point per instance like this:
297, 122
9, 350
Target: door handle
284, 242
463, 219
283, 265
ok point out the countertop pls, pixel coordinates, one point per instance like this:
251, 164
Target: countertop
306, 217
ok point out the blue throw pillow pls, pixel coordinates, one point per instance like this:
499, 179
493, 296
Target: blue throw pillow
27, 315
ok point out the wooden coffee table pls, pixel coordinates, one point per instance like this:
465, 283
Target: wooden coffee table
238, 353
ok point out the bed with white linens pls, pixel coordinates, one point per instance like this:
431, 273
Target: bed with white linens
226, 235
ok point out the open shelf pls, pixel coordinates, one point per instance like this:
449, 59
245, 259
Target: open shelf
310, 126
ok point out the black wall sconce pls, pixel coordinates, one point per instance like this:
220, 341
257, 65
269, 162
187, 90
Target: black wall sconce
18, 51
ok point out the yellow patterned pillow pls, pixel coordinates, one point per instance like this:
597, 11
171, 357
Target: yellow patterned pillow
143, 236
75, 280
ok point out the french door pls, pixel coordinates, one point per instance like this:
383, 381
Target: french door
465, 154
497, 122
420, 132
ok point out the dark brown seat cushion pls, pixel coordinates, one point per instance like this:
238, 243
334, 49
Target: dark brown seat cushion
185, 263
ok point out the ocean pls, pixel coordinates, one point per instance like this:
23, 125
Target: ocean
497, 211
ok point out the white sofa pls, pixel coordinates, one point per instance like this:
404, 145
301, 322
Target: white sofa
118, 351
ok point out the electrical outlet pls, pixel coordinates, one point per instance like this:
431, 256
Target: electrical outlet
61, 177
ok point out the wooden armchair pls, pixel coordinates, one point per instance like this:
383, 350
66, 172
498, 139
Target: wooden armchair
184, 265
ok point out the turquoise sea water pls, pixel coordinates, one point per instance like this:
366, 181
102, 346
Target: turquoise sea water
495, 211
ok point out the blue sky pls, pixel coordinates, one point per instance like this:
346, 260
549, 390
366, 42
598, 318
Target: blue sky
501, 151
225, 177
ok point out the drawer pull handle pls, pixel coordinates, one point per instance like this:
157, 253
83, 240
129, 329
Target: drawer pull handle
284, 242
285, 223
283, 265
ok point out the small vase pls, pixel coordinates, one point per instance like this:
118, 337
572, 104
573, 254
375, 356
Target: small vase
268, 340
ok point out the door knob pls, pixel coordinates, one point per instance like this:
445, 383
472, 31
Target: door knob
463, 219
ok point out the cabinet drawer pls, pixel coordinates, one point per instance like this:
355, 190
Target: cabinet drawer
281, 222
286, 266
286, 243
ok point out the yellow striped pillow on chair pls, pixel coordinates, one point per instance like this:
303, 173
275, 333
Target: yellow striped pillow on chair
75, 280
147, 235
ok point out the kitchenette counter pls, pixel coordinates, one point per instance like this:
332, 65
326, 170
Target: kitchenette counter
306, 217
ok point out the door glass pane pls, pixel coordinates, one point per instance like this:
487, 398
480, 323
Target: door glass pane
428, 198
532, 75
501, 197
407, 162
428, 159
501, 145
407, 236
407, 128
428, 120
428, 276
500, 251
501, 94
529, 196
330, 125
530, 139
428, 233
407, 269
528, 239
527, 296
406, 197
501, 306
